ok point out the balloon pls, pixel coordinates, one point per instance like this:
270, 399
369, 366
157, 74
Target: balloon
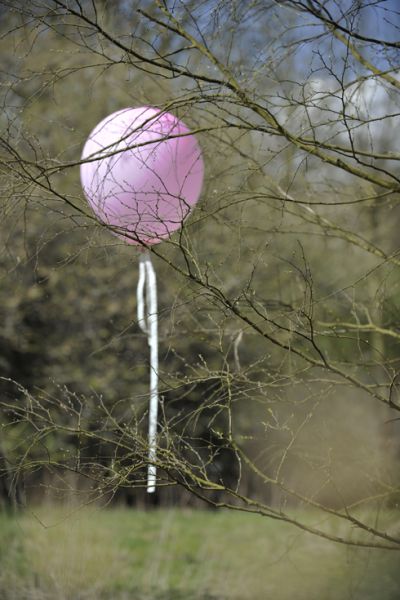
144, 173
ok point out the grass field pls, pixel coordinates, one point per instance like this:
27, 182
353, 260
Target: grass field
115, 554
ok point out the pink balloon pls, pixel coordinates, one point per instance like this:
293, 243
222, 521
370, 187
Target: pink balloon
144, 173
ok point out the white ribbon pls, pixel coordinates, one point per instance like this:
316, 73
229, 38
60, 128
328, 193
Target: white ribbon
148, 322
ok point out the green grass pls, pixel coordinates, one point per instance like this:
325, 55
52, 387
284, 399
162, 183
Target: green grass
115, 554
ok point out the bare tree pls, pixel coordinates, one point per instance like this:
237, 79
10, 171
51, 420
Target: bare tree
279, 317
